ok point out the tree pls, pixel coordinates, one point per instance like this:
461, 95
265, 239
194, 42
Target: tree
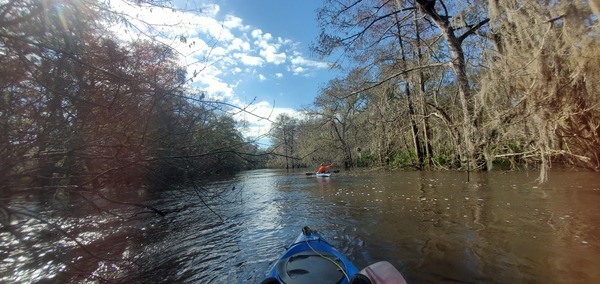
540, 92
284, 131
343, 113
438, 13
87, 120
359, 26
481, 82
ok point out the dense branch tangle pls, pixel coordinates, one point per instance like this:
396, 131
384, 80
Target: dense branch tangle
429, 59
85, 116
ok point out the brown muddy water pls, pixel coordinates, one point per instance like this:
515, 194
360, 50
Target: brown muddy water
435, 227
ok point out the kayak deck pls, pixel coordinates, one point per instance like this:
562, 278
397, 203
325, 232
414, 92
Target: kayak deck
311, 267
310, 259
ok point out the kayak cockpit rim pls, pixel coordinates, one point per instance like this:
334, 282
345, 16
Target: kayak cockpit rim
311, 259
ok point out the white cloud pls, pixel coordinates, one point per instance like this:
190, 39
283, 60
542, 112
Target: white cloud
299, 60
233, 22
216, 89
260, 36
248, 59
260, 116
271, 55
211, 41
238, 44
222, 48
269, 50
298, 70
303, 66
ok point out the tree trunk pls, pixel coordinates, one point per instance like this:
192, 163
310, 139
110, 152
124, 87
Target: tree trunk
458, 65
426, 133
411, 107
465, 95
414, 129
426, 143
345, 148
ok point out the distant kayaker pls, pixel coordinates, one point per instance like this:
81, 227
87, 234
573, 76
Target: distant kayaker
323, 168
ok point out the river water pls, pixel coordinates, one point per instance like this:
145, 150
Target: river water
435, 227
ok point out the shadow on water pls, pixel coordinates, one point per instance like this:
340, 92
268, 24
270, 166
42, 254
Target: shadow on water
436, 227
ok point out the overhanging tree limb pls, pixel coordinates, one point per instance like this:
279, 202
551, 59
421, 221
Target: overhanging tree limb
395, 75
473, 29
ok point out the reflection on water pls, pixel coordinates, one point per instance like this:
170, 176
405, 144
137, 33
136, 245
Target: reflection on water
434, 226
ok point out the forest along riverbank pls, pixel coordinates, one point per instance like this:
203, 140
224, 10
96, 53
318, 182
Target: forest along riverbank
433, 226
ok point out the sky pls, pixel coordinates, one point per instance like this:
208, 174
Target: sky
252, 54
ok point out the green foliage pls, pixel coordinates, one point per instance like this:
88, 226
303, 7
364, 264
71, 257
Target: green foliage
442, 160
504, 164
366, 160
401, 160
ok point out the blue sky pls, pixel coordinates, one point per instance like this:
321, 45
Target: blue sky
245, 52
290, 20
